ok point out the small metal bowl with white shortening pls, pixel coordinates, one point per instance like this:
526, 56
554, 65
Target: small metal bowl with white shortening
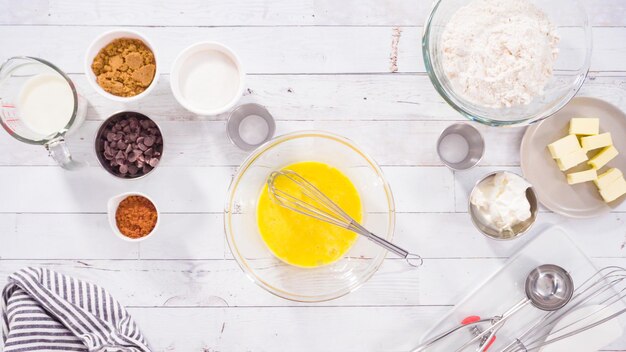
518, 229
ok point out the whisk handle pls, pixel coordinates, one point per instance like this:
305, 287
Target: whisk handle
385, 244
413, 260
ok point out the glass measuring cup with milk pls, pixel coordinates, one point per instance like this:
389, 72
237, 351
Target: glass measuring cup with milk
39, 105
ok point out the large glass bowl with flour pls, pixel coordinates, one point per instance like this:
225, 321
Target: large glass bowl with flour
523, 97
319, 283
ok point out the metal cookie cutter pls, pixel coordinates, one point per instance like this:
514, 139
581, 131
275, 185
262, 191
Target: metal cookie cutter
240, 133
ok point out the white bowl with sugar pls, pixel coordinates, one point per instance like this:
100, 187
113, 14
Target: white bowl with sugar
207, 78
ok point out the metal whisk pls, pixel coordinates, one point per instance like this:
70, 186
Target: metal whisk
606, 288
604, 292
316, 204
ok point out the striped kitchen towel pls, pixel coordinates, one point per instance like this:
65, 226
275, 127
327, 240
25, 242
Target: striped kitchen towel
43, 310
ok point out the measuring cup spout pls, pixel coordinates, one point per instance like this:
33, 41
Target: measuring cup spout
61, 154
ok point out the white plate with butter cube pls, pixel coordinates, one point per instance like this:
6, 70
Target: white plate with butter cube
581, 173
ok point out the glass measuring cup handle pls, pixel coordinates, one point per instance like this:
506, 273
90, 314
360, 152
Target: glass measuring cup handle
61, 154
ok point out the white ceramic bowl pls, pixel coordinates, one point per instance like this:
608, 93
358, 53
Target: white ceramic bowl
112, 205
103, 40
180, 64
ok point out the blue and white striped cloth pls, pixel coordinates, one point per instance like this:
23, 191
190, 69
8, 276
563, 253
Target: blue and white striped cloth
43, 310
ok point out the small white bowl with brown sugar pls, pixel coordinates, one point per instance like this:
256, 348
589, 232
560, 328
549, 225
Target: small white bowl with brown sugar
122, 65
133, 216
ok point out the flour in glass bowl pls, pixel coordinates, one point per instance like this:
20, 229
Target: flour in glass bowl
499, 53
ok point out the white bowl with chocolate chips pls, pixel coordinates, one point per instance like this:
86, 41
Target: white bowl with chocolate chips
129, 145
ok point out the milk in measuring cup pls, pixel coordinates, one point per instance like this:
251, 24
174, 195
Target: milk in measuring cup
46, 103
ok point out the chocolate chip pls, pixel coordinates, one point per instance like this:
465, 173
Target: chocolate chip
121, 145
123, 169
148, 141
153, 162
132, 157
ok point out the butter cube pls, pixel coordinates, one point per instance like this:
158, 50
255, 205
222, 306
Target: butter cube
569, 161
564, 146
584, 126
614, 190
597, 141
582, 176
603, 157
606, 178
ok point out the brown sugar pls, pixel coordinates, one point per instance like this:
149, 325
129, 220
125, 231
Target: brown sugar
136, 216
125, 67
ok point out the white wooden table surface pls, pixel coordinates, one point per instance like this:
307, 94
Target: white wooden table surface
316, 64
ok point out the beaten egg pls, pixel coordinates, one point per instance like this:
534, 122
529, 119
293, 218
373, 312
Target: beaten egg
300, 240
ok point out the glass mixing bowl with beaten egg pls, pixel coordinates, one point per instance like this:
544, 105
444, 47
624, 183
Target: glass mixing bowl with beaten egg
289, 269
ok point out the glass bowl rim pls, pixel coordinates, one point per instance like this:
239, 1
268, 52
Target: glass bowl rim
370, 271
472, 116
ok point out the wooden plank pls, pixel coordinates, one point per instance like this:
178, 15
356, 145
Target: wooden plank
386, 97
202, 189
454, 236
89, 236
187, 236
302, 97
61, 236
215, 13
340, 329
249, 13
297, 329
261, 49
205, 143
201, 236
221, 283
183, 189
310, 49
